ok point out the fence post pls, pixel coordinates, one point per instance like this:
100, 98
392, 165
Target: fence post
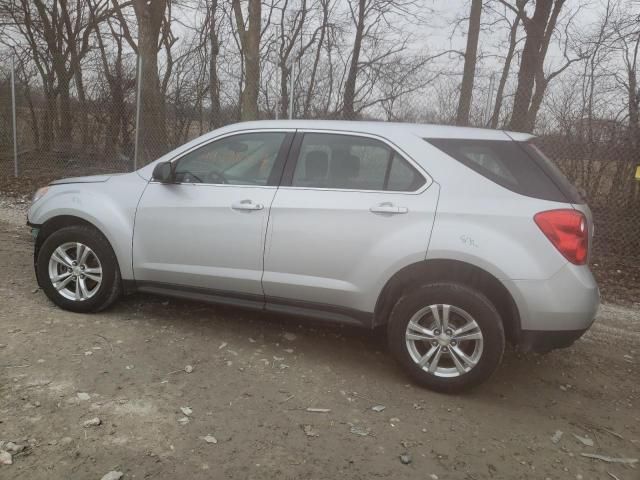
13, 119
138, 92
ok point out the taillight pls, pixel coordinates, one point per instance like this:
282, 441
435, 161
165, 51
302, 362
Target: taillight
567, 230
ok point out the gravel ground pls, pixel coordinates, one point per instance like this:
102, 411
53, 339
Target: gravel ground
242, 411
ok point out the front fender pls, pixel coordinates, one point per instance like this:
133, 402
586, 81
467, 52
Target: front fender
110, 206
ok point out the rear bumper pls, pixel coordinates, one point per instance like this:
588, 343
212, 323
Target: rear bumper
557, 311
543, 341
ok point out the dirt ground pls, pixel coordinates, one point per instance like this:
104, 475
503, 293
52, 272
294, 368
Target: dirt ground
254, 377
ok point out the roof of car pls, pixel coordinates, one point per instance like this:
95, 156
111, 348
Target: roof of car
422, 130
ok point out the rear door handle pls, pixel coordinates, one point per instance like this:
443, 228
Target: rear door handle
246, 204
388, 207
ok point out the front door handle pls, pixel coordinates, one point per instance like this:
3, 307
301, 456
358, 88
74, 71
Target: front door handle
388, 207
246, 204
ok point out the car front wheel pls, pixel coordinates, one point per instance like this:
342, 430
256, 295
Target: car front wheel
449, 337
78, 270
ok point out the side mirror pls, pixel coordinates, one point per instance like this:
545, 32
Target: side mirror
163, 172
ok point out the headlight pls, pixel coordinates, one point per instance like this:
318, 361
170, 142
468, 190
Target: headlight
39, 194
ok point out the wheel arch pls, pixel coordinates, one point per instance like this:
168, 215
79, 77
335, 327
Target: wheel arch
438, 270
58, 222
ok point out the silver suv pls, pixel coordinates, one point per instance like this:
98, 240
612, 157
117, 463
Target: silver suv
454, 239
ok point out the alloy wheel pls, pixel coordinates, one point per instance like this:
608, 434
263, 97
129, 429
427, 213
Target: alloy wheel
444, 340
75, 271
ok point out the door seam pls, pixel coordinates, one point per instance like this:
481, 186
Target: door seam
266, 231
133, 229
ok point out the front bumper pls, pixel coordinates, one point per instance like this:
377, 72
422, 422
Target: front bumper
35, 230
557, 311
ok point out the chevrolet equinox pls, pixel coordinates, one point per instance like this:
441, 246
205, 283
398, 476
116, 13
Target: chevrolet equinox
455, 239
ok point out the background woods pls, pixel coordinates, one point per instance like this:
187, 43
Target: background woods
88, 72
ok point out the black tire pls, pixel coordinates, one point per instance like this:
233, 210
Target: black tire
465, 298
110, 288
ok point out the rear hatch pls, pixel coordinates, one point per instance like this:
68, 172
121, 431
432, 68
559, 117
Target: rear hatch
571, 193
518, 166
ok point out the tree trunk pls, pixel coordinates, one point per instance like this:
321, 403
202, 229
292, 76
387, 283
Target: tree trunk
214, 82
35, 130
84, 108
634, 115
316, 60
250, 41
48, 120
513, 38
76, 69
115, 114
66, 117
348, 110
536, 102
470, 57
152, 135
252, 62
532, 59
284, 90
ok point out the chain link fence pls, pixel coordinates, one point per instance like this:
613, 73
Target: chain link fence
604, 171
64, 136
108, 130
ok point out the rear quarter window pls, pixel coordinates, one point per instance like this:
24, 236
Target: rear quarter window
517, 166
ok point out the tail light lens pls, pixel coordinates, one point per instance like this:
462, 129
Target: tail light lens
567, 230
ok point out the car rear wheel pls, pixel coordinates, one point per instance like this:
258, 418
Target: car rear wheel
448, 337
78, 270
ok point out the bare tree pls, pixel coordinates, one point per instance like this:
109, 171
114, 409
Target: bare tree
539, 29
371, 20
359, 16
291, 30
626, 40
508, 59
470, 56
323, 30
57, 34
118, 81
21, 17
150, 17
214, 45
249, 32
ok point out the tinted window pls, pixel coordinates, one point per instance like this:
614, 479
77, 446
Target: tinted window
402, 176
245, 159
352, 162
552, 170
513, 165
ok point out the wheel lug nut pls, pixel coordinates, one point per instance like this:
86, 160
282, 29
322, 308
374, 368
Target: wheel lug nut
449, 332
445, 349
434, 343
454, 343
437, 332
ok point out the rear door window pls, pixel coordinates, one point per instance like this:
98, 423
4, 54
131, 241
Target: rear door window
352, 163
518, 166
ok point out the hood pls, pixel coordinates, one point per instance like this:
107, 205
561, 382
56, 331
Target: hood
87, 179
